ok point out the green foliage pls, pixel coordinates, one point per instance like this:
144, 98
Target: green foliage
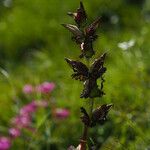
33, 46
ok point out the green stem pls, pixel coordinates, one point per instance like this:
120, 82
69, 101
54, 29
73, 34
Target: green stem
88, 62
91, 106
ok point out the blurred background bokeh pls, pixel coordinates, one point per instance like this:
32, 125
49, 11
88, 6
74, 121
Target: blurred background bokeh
33, 45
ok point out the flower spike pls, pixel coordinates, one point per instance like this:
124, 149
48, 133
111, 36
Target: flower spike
88, 73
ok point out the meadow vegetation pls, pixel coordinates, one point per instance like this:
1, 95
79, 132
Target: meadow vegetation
34, 76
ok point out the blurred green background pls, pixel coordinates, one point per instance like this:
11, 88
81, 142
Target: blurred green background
33, 46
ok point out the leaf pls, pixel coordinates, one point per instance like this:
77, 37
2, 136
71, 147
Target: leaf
85, 118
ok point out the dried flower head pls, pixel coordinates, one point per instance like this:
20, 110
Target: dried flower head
99, 115
90, 31
89, 76
78, 35
80, 69
79, 16
84, 36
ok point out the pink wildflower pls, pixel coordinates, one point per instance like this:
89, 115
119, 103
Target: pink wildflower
45, 87
22, 121
28, 89
61, 113
4, 143
29, 108
14, 132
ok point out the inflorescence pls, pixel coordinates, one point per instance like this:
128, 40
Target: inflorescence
84, 35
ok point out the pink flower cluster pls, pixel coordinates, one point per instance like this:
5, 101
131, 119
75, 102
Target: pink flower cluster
22, 120
44, 88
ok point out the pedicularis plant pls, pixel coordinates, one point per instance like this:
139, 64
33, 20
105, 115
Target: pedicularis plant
84, 35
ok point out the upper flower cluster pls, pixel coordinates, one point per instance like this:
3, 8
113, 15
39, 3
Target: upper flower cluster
83, 34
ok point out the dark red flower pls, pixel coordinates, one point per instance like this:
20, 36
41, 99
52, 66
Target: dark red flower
99, 115
90, 31
79, 16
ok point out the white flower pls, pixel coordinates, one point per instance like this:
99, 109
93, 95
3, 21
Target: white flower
126, 45
7, 3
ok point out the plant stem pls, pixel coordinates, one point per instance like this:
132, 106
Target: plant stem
83, 140
91, 106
